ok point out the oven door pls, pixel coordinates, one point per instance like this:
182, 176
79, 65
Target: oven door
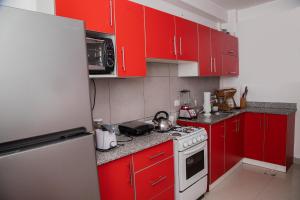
192, 165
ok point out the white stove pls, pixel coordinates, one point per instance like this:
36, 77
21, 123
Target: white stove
188, 137
190, 157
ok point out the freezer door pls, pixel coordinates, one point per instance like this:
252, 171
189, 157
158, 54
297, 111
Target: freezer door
44, 84
61, 171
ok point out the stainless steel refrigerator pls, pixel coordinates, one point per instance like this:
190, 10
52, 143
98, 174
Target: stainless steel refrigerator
46, 150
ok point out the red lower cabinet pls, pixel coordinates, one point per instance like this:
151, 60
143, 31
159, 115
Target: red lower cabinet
154, 180
254, 136
168, 194
269, 138
233, 142
230, 142
217, 151
116, 180
275, 139
135, 178
152, 155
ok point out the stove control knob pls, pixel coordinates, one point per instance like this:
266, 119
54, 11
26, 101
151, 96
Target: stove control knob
185, 145
190, 142
194, 141
199, 139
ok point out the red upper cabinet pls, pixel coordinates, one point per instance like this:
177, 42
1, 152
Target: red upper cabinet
116, 179
230, 65
230, 58
130, 38
97, 14
217, 151
275, 139
230, 45
254, 136
187, 39
160, 35
205, 58
217, 42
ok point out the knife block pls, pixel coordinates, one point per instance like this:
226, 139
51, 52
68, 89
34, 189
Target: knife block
243, 102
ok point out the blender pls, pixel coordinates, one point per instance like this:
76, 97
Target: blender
186, 111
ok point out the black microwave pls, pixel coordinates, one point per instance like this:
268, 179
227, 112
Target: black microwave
101, 55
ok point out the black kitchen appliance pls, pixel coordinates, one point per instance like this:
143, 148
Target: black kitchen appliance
101, 55
135, 128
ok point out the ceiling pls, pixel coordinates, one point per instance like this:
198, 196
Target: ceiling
239, 4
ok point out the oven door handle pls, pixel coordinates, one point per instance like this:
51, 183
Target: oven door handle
194, 150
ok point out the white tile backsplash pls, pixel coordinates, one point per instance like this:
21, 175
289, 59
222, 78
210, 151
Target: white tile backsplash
121, 100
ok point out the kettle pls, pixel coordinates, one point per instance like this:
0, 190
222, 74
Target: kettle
161, 121
105, 135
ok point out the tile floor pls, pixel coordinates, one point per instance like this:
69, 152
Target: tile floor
254, 183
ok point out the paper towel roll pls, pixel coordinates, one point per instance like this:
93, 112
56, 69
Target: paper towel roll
207, 105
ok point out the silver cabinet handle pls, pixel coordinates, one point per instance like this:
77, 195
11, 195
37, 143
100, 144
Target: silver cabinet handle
211, 64
160, 179
123, 58
175, 50
215, 68
180, 45
232, 72
111, 12
157, 155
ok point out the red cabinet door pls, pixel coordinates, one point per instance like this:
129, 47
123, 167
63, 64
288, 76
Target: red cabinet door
116, 179
217, 151
187, 39
230, 45
230, 65
275, 139
231, 134
233, 141
169, 194
240, 137
205, 58
130, 38
154, 179
254, 136
97, 14
160, 34
152, 155
217, 48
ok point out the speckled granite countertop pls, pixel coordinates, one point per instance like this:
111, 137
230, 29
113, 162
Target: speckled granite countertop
137, 144
257, 107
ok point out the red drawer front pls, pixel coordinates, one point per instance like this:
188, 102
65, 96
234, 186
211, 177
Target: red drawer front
166, 195
152, 155
155, 179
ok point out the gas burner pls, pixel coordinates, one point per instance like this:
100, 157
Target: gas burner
176, 134
186, 130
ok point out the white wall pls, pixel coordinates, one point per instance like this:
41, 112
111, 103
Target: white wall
269, 47
44, 6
